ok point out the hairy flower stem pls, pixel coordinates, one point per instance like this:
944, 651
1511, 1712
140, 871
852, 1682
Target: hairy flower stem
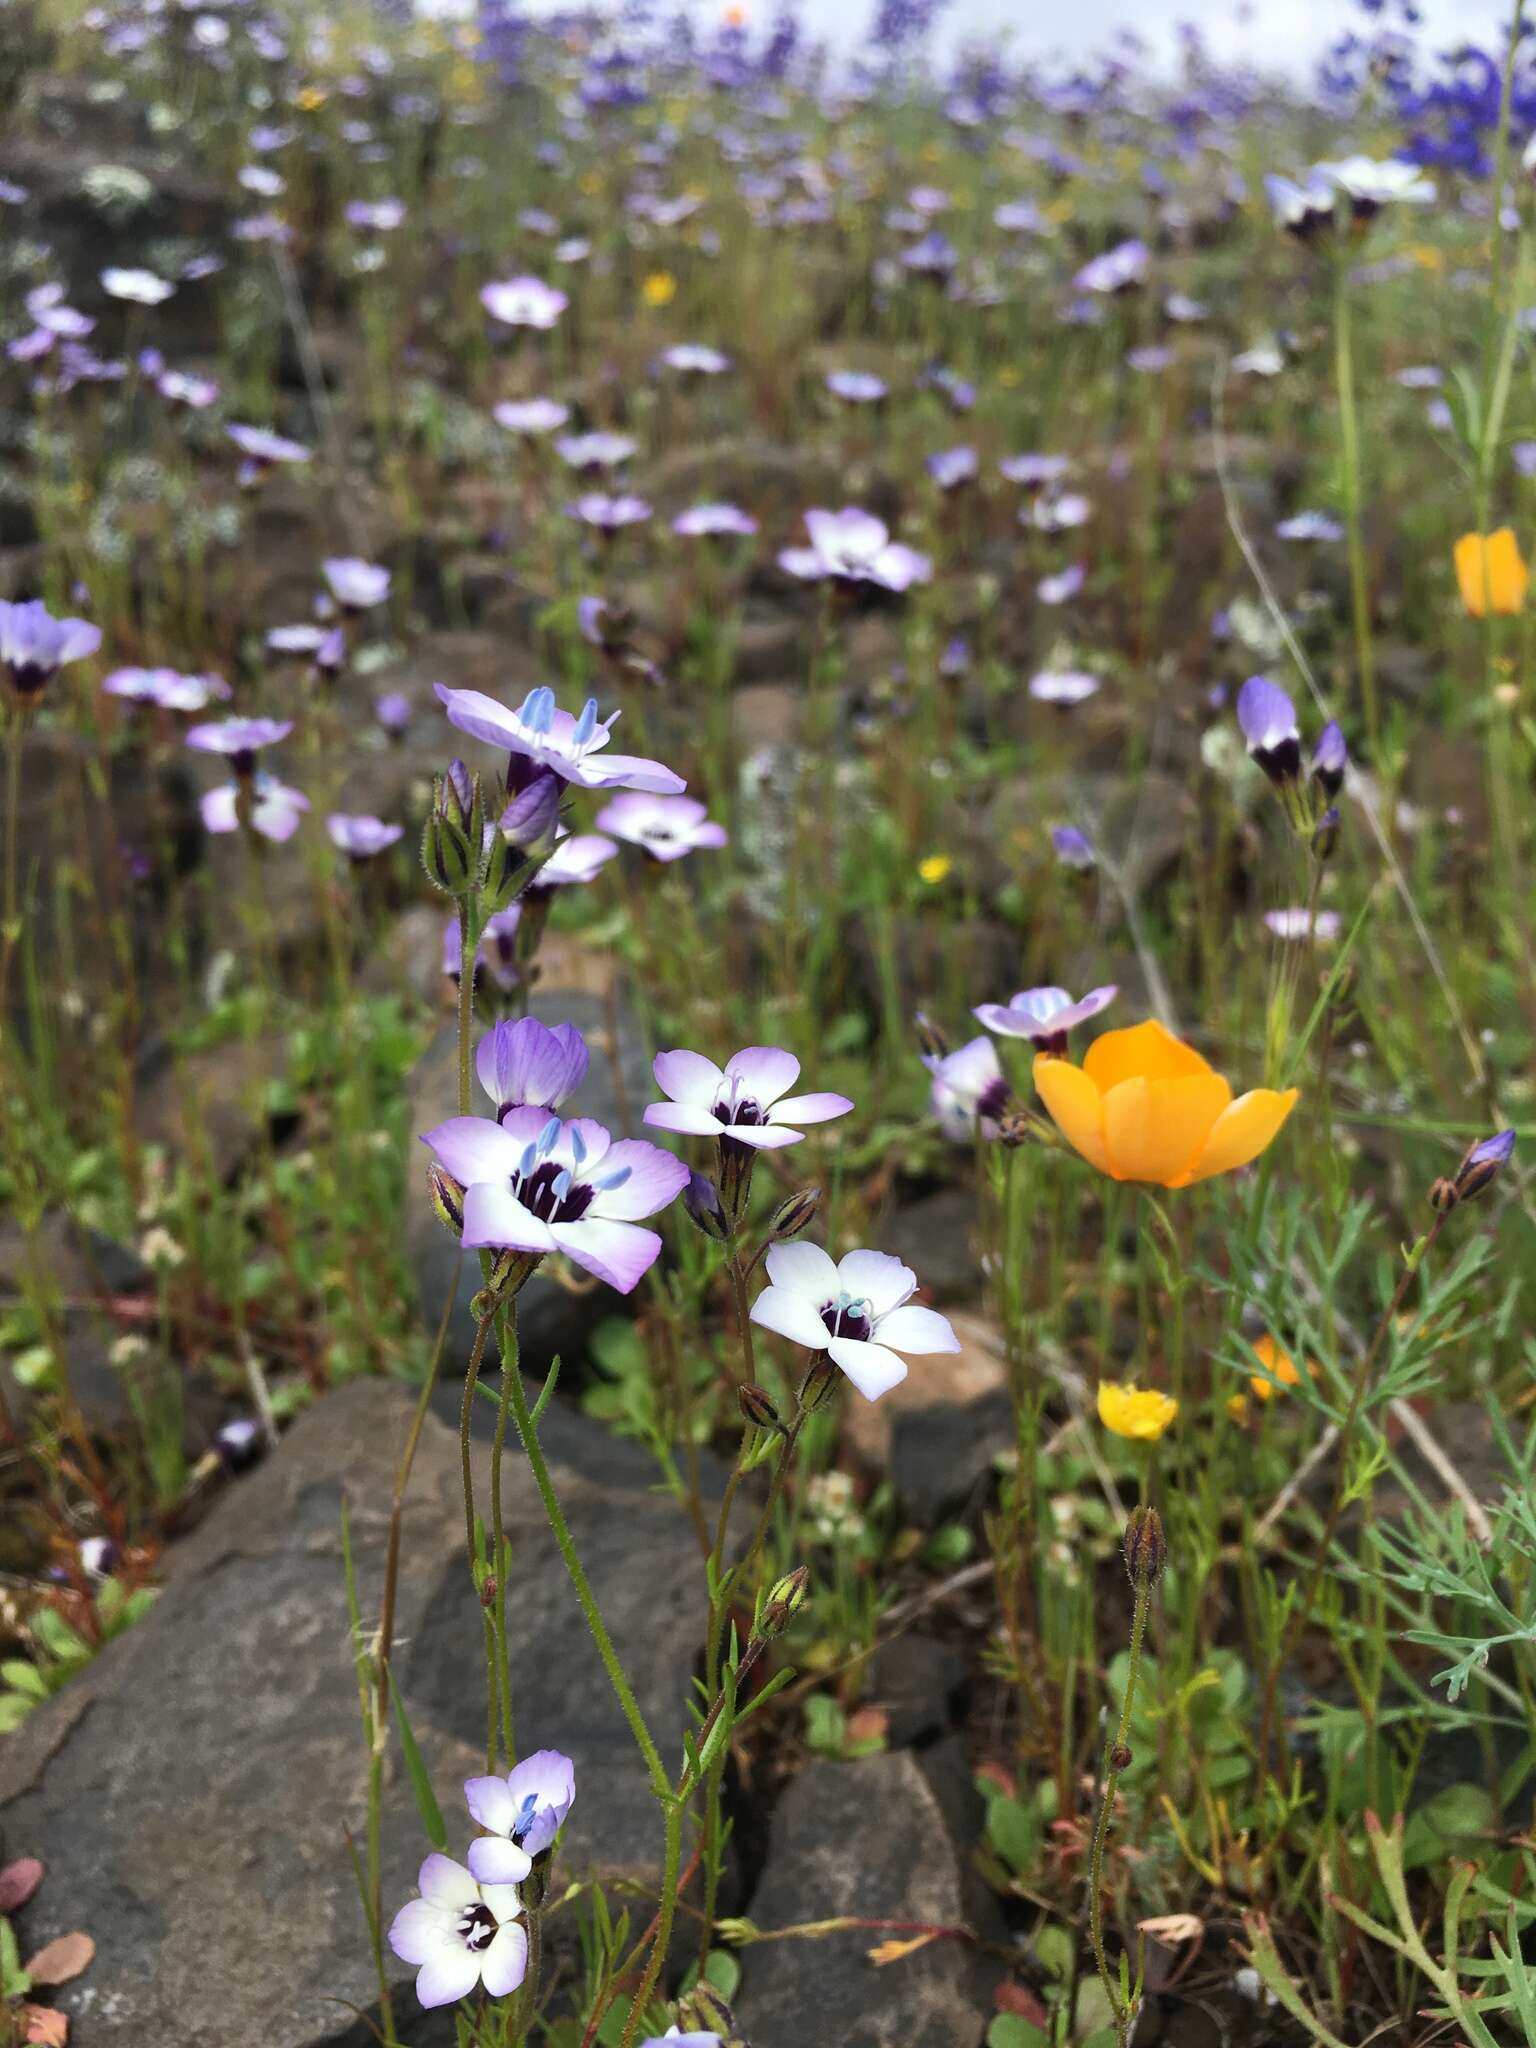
1349, 437
15, 725
662, 1941
1124, 2015
466, 1410
506, 1340
468, 940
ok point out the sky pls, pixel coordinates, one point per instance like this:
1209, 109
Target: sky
1279, 35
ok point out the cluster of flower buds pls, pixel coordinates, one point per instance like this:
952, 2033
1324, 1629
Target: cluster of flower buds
1480, 1166
487, 844
1273, 736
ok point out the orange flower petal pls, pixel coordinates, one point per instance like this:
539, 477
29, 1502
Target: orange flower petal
1076, 1105
1145, 1051
1154, 1130
1243, 1130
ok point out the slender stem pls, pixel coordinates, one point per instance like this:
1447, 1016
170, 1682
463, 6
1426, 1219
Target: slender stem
1124, 2015
15, 725
1349, 435
743, 1315
667, 1913
471, 1380
468, 938
506, 1335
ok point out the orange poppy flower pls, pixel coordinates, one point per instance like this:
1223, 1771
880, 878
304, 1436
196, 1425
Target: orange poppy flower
1492, 576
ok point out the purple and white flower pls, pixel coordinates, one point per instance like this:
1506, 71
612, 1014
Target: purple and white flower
853, 546
239, 738
1057, 511
578, 857
567, 746
969, 1090
263, 451
1119, 269
667, 827
461, 1934
951, 467
609, 513
747, 1100
1043, 1015
531, 415
356, 585
1300, 923
708, 522
596, 450
1072, 846
523, 1812
524, 302
167, 687
1268, 721
1063, 586
856, 387
526, 1062
694, 359
1317, 526
275, 809
393, 711
359, 835
140, 287
858, 1310
34, 645
534, 1184
1063, 686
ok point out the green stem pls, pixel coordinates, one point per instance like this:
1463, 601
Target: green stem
506, 1336
1349, 436
668, 1910
15, 726
468, 940
1124, 2015
471, 1379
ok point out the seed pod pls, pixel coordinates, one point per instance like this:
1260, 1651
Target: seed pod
447, 1198
791, 1217
784, 1602
756, 1408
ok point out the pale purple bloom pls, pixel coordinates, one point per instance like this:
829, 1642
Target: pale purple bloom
535, 1184
531, 415
1043, 1015
1524, 453
239, 737
1185, 310
859, 1311
855, 547
393, 711
1063, 586
45, 305
1056, 512
856, 387
141, 287
359, 835
968, 1089
1118, 270
747, 1100
596, 450
1021, 217
713, 521
497, 950
694, 359
934, 256
167, 687
1034, 471
198, 267
262, 180
681, 2040
524, 302
1310, 526
1302, 208
1268, 721
461, 1934
578, 857
303, 639
1298, 923
570, 747
667, 827
179, 387
1149, 361
1330, 758
356, 585
1062, 686
34, 645
1421, 377
263, 450
524, 1811
1263, 360
275, 808
950, 467
381, 216
607, 513
526, 1062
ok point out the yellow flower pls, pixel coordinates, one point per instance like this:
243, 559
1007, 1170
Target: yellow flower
659, 289
935, 868
311, 99
1237, 1407
591, 182
1491, 574
1141, 1413
1145, 1106
1279, 1364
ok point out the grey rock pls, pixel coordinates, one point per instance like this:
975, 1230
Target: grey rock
189, 1791
865, 1838
912, 1678
552, 1318
935, 1235
942, 1456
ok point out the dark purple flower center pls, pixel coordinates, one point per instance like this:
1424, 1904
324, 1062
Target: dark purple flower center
993, 1099
550, 1193
744, 1112
477, 1928
847, 1316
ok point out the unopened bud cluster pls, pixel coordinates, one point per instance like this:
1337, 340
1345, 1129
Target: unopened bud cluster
1480, 1167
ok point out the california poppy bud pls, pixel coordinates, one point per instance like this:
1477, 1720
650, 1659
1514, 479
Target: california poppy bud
784, 1602
701, 1199
1145, 1548
791, 1217
756, 1408
1120, 1758
447, 1197
1481, 1165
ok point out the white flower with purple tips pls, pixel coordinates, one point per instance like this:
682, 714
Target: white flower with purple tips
747, 1100
523, 1812
359, 835
1043, 1015
461, 1934
667, 827
969, 1090
524, 302
568, 746
853, 546
858, 1310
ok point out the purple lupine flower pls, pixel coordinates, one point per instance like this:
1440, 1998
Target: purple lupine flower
1268, 721
1073, 849
852, 546
535, 1184
1317, 526
359, 835
695, 360
524, 302
747, 1100
531, 415
968, 1092
713, 521
525, 1063
1063, 686
859, 1311
856, 387
667, 827
275, 809
950, 467
356, 585
596, 450
1330, 758
1043, 1015
523, 1812
1119, 269
34, 645
1298, 923
569, 747
461, 1934
393, 711
1063, 586
140, 287
608, 514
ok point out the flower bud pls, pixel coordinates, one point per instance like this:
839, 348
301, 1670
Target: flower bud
1480, 1166
784, 1602
451, 838
488, 1590
532, 814
703, 2011
447, 1198
1442, 1195
1325, 835
1145, 1548
791, 1217
1120, 1758
818, 1383
756, 1408
932, 1037
701, 1199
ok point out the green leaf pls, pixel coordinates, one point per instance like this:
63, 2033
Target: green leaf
14, 1981
24, 1677
416, 1770
1015, 1832
1008, 2030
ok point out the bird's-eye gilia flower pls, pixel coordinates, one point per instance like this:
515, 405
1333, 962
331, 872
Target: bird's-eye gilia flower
747, 1100
263, 449
951, 467
968, 1091
1063, 686
34, 645
568, 746
275, 809
682, 2040
179, 387
1119, 269
608, 513
523, 1812
531, 415
392, 708
1296, 922
167, 687
667, 827
1056, 512
1044, 1015
1063, 586
1072, 847
356, 585
1268, 721
1034, 472
1144, 1106
1330, 758
852, 546
858, 1310
595, 450
526, 1063
140, 287
1370, 184
461, 1934
238, 738
693, 358
856, 387
1301, 209
360, 835
703, 522
524, 302
534, 1184
1492, 573
1139, 1413
578, 857
1319, 526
